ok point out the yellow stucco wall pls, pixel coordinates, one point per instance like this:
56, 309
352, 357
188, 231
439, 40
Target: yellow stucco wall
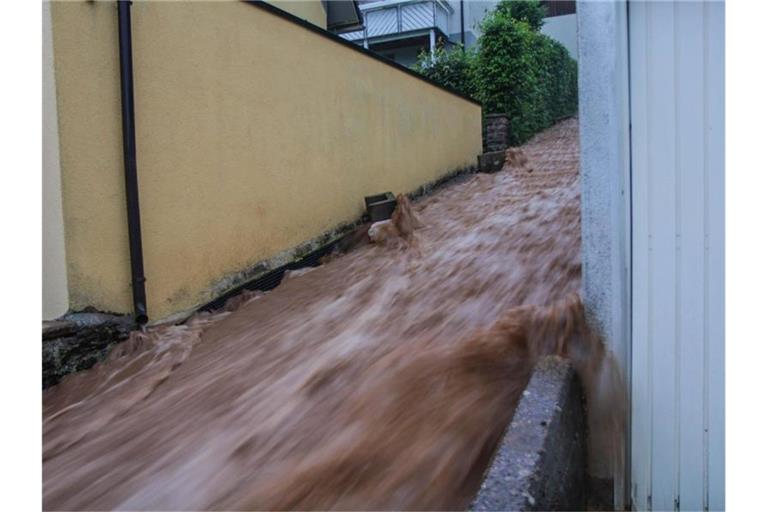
310, 10
253, 135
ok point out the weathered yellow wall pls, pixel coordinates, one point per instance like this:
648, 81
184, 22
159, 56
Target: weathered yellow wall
253, 135
310, 10
88, 100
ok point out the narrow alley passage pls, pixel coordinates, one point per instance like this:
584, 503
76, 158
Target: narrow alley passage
371, 382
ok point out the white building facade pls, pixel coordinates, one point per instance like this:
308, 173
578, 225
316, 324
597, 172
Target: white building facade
652, 135
401, 29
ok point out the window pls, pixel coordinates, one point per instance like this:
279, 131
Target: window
559, 7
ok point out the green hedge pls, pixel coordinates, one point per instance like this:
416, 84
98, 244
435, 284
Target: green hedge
515, 70
524, 74
453, 68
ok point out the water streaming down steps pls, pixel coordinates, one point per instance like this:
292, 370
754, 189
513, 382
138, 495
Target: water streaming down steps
380, 380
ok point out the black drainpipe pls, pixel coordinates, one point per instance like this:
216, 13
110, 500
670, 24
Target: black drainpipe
129, 158
463, 41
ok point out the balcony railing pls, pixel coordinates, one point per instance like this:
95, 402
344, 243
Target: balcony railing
394, 17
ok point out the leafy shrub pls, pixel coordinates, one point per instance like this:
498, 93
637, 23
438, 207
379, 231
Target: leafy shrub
453, 68
567, 79
507, 74
515, 70
524, 74
527, 11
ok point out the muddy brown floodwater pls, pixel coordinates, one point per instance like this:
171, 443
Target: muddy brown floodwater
380, 380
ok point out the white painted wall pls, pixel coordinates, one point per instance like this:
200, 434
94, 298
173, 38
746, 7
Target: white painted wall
55, 293
677, 112
563, 29
604, 133
475, 11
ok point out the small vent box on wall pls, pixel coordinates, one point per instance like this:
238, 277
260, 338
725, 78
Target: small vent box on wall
380, 206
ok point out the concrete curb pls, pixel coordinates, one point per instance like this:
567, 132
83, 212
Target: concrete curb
541, 460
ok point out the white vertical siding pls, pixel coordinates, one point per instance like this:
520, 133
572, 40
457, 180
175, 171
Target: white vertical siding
416, 16
676, 55
381, 22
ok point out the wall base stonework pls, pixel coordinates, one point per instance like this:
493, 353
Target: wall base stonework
495, 132
79, 341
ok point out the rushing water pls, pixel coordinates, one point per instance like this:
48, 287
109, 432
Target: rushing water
380, 380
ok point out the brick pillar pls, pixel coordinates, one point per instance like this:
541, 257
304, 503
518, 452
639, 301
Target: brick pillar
495, 132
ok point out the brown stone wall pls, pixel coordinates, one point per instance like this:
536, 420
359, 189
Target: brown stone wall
495, 132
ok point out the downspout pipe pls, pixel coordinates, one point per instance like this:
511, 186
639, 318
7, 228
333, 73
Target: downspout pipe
129, 159
463, 38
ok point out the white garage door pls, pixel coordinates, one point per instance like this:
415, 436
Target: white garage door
677, 151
